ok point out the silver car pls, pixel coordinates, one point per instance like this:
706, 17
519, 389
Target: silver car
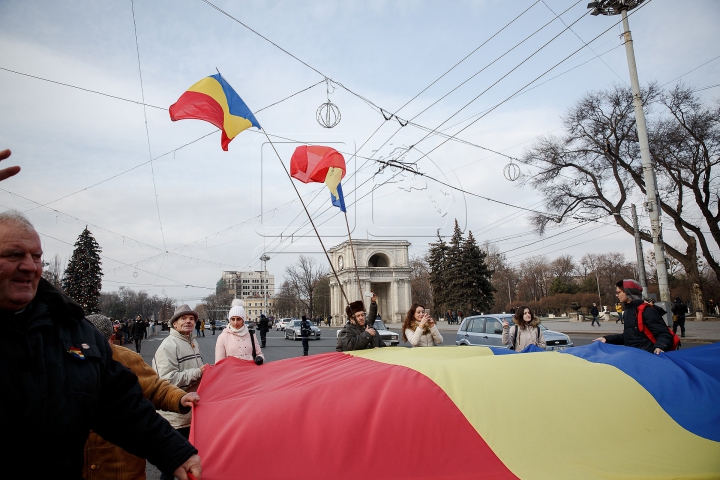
292, 330
390, 338
486, 330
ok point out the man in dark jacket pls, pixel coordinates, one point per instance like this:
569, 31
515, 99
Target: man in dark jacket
356, 335
679, 309
305, 329
594, 313
137, 330
629, 292
263, 327
59, 372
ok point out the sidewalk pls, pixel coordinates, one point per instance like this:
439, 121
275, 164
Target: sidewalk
707, 331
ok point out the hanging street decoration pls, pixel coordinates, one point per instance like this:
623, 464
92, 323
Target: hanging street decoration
213, 100
511, 171
328, 114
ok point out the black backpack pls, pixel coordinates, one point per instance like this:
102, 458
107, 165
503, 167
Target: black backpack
305, 330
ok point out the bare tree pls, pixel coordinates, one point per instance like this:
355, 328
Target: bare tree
595, 168
304, 277
53, 271
535, 278
420, 281
126, 302
505, 278
287, 303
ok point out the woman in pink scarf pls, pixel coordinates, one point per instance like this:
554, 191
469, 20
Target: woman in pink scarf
236, 340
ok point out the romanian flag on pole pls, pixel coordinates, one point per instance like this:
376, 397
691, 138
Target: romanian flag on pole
213, 99
592, 412
318, 164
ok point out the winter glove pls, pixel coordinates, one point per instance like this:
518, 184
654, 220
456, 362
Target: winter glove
258, 360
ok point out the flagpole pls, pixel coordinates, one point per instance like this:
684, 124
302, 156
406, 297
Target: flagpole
352, 248
342, 290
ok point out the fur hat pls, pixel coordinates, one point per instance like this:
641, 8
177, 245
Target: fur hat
102, 323
237, 311
354, 307
631, 288
183, 310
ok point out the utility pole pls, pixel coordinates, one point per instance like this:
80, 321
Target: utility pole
509, 295
652, 205
639, 253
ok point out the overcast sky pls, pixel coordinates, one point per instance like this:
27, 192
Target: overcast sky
171, 226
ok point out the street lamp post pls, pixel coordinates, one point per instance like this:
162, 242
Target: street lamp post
264, 258
621, 7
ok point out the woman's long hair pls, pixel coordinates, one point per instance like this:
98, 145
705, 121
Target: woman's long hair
518, 318
410, 320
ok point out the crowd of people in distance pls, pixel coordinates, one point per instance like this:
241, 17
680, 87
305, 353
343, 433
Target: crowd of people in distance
132, 331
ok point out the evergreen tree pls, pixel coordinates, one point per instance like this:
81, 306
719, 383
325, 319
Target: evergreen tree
436, 263
82, 279
455, 273
476, 290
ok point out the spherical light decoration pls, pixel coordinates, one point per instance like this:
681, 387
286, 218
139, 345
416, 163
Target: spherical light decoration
328, 115
135, 274
511, 171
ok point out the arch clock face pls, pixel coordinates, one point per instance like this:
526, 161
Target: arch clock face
341, 263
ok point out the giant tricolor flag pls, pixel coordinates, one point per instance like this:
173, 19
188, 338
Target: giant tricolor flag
213, 99
596, 412
315, 163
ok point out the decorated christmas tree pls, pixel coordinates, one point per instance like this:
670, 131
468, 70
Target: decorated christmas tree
82, 279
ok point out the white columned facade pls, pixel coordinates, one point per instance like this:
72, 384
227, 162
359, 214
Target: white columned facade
383, 267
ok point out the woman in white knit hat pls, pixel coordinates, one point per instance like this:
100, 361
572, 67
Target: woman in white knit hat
236, 340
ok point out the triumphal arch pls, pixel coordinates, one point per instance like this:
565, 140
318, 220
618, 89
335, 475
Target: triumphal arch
383, 267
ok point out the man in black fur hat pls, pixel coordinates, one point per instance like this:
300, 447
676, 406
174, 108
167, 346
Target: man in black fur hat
357, 334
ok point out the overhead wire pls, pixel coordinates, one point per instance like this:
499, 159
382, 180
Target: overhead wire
496, 60
690, 71
531, 82
147, 131
83, 89
589, 48
123, 263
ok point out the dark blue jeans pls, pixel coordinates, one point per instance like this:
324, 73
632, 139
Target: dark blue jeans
595, 319
306, 346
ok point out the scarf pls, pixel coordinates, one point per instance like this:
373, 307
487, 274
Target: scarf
426, 328
239, 331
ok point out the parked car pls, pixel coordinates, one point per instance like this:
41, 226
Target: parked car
282, 323
220, 324
390, 338
292, 331
486, 330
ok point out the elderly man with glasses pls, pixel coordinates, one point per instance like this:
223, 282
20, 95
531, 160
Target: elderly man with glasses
357, 334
